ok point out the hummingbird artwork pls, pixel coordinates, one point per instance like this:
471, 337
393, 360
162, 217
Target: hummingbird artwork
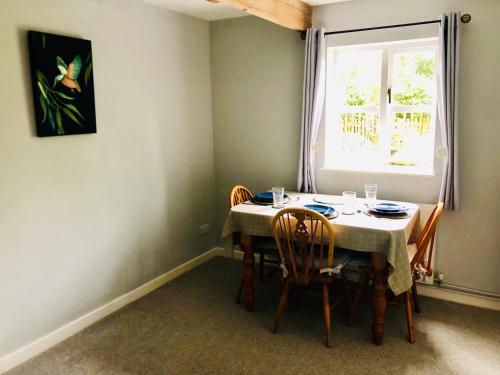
69, 73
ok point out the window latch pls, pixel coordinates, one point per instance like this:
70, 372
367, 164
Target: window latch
389, 94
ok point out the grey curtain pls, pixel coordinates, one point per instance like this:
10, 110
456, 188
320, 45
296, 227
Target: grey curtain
449, 40
312, 106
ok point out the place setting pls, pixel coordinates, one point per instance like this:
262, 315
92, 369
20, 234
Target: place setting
347, 201
279, 200
276, 198
383, 210
327, 211
387, 210
348, 205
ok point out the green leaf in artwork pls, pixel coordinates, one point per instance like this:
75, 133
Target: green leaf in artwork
64, 96
88, 70
60, 129
88, 58
51, 120
41, 89
43, 40
71, 115
74, 109
43, 104
41, 77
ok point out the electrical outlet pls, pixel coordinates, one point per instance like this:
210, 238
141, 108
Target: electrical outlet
438, 278
203, 229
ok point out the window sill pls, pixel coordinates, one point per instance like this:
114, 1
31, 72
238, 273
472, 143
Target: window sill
399, 172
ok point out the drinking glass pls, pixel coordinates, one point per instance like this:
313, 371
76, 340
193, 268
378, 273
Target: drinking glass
371, 193
278, 196
349, 202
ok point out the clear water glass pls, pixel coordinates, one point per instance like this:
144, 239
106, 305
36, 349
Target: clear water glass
278, 196
349, 198
371, 193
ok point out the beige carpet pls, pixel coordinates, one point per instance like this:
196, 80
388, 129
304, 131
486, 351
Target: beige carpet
193, 326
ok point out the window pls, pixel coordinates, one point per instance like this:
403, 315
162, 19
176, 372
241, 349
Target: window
381, 107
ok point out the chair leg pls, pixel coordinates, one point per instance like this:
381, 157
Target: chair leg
240, 291
326, 313
414, 295
261, 266
281, 307
357, 297
347, 292
409, 317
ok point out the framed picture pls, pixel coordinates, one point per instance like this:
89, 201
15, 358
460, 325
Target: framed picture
63, 84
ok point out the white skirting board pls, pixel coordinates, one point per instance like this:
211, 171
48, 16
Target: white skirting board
53, 338
467, 298
444, 293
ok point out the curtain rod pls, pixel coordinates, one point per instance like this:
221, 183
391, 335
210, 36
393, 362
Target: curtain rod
465, 18
381, 27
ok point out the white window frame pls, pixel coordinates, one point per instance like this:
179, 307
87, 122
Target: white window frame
389, 49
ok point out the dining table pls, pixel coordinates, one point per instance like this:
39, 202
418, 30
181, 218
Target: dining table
386, 238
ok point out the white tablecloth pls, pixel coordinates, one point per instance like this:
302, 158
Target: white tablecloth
358, 232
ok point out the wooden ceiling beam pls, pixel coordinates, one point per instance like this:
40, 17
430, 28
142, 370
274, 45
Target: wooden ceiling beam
292, 14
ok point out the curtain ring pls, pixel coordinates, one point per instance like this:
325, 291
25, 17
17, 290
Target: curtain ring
441, 152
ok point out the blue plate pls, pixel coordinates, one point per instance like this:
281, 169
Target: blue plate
388, 207
319, 208
267, 196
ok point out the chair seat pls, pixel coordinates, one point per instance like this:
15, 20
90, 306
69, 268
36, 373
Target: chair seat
362, 259
340, 259
359, 259
342, 256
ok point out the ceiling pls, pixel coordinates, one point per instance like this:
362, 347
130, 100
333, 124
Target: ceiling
209, 11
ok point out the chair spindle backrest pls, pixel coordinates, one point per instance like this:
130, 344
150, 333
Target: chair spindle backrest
302, 235
426, 241
238, 195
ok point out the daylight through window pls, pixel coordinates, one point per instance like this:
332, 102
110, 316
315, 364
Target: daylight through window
381, 107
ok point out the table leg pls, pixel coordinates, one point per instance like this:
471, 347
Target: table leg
248, 271
379, 300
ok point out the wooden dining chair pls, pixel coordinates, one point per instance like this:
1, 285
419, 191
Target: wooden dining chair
264, 246
239, 194
420, 256
305, 241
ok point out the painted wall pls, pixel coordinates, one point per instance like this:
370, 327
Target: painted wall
84, 219
257, 105
257, 68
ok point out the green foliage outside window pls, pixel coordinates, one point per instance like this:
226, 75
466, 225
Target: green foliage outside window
412, 74
356, 97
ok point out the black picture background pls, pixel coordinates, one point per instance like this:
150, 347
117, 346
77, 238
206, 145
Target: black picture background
44, 49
